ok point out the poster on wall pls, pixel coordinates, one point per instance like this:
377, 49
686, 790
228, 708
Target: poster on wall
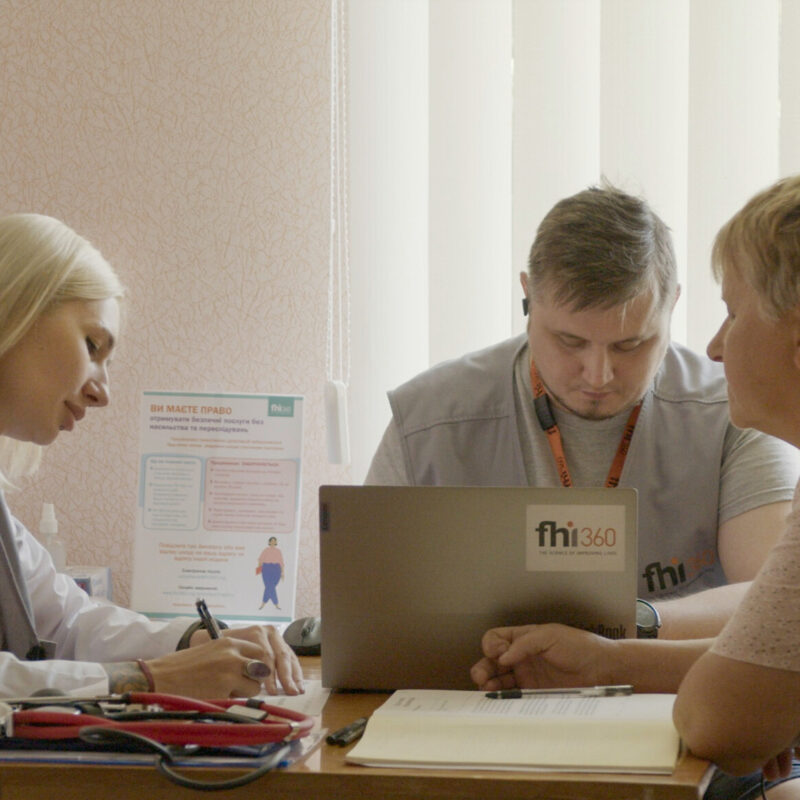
218, 505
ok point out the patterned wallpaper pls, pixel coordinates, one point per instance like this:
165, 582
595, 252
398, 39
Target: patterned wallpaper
189, 141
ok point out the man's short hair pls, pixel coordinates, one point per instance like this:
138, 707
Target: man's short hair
602, 248
762, 243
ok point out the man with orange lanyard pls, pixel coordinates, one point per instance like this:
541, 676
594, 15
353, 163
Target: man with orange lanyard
597, 382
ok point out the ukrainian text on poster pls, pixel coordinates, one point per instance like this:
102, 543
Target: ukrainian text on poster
218, 505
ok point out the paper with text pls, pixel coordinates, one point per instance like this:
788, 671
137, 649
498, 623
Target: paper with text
218, 505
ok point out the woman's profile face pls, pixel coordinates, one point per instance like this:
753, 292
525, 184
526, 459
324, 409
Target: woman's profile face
757, 353
58, 370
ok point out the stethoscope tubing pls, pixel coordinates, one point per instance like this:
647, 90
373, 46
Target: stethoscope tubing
279, 724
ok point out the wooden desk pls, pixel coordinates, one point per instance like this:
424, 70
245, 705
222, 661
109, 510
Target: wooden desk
325, 775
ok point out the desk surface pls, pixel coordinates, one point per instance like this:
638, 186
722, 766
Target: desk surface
324, 774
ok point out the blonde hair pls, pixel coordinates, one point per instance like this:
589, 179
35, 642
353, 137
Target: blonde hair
43, 262
761, 242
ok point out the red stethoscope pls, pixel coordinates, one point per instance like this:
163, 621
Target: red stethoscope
169, 726
169, 719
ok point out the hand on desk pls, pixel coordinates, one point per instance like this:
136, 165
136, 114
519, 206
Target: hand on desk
542, 656
215, 668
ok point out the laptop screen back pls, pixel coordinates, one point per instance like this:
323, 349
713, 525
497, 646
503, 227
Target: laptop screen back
412, 577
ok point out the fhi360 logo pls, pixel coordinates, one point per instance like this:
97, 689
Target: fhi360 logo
571, 536
590, 537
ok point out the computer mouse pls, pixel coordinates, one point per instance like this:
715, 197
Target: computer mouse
304, 636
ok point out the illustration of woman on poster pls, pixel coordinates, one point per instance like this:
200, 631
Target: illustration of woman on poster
270, 567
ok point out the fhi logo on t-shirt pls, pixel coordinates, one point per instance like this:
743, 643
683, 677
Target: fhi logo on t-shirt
661, 577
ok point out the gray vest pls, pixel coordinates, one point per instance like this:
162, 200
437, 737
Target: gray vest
458, 426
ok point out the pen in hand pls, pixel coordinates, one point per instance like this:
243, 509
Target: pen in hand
581, 691
209, 623
254, 669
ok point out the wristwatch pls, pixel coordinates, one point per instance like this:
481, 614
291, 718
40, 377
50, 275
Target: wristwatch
648, 620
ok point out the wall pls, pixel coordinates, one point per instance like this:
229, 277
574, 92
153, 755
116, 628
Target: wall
189, 141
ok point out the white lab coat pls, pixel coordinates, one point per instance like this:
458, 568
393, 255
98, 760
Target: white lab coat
86, 631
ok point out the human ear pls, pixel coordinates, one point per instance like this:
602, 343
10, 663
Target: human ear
523, 279
677, 296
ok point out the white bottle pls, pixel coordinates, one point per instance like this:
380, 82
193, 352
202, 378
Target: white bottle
48, 529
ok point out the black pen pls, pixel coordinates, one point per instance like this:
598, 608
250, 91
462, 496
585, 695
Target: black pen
349, 733
581, 691
209, 622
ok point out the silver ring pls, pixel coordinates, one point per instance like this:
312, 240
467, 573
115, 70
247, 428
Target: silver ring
256, 670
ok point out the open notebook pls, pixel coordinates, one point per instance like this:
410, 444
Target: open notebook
411, 577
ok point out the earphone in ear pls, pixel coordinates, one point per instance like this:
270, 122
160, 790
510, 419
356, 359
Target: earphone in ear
525, 306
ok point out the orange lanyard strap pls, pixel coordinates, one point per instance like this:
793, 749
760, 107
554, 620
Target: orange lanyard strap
544, 413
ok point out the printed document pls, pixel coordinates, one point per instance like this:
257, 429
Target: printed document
218, 505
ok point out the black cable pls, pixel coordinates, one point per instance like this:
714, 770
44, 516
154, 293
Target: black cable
273, 761
165, 757
195, 716
100, 734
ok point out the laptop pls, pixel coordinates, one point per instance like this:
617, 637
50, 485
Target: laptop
413, 576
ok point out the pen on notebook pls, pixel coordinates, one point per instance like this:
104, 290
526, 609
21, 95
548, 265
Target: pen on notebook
209, 622
349, 733
581, 691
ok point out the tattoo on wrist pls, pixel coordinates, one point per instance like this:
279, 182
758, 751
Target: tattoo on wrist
125, 676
